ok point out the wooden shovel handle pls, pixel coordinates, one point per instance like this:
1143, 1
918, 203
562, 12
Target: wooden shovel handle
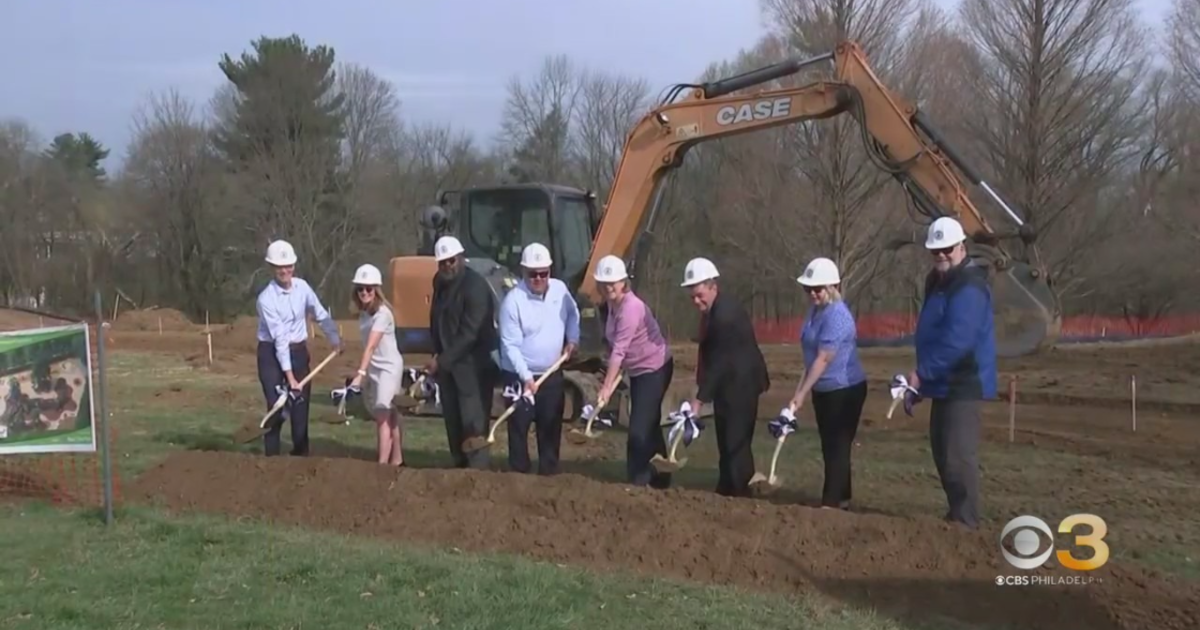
775, 457
279, 402
513, 407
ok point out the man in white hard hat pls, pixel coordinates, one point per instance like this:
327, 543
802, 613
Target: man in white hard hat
283, 359
731, 374
461, 322
539, 322
956, 364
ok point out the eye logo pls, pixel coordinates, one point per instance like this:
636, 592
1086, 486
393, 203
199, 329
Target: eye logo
937, 236
1026, 542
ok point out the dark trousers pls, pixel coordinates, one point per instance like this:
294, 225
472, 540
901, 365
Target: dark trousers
270, 374
466, 392
838, 412
646, 393
735, 412
954, 427
546, 416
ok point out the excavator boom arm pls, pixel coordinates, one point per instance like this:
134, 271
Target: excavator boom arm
892, 127
658, 142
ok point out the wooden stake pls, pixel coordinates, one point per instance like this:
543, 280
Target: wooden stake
208, 334
1012, 409
1133, 401
160, 325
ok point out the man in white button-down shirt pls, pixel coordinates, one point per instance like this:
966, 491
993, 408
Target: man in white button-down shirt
283, 359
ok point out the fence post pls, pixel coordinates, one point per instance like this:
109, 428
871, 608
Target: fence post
102, 412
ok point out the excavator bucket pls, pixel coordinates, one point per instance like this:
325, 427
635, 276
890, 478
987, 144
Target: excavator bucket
1027, 316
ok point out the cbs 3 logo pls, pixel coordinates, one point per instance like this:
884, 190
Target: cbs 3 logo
1026, 542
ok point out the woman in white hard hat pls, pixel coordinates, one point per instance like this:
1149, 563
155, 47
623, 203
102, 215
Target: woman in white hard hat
381, 368
833, 375
637, 346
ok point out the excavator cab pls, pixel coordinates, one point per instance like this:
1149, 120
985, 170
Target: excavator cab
494, 224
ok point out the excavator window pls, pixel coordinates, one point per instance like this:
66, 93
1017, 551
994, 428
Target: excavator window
573, 237
501, 222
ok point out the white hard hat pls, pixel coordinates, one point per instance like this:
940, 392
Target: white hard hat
280, 253
821, 272
610, 269
447, 247
535, 256
368, 275
698, 270
945, 232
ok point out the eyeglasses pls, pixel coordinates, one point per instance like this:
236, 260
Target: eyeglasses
541, 275
944, 251
809, 289
365, 289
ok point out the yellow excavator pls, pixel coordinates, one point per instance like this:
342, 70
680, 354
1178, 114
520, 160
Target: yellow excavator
494, 223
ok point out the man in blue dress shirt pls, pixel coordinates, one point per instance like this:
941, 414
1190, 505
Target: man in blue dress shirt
283, 359
539, 322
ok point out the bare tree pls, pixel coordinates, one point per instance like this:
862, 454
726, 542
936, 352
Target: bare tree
536, 120
174, 179
849, 208
1054, 110
609, 106
1184, 44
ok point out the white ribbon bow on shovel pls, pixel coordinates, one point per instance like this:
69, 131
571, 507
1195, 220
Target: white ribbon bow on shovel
903, 392
685, 428
780, 427
342, 394
522, 400
423, 387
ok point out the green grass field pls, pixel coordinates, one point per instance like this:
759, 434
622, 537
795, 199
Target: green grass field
64, 569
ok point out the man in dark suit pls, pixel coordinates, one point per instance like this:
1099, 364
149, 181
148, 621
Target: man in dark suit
731, 374
462, 324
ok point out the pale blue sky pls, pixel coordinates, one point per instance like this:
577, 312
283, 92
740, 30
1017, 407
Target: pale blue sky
86, 65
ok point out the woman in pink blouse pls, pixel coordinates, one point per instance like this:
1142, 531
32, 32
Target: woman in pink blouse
638, 347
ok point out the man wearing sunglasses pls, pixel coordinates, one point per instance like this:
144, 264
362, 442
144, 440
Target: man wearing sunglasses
461, 317
956, 364
539, 322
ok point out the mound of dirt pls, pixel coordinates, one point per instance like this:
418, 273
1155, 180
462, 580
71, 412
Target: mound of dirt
148, 319
910, 569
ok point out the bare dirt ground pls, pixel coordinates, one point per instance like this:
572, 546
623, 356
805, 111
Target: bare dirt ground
1073, 401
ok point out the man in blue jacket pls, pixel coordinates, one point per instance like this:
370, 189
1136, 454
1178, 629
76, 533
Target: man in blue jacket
956, 364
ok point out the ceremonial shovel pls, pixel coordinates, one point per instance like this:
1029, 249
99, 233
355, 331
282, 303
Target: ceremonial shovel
670, 464
575, 436
785, 423
761, 485
476, 443
249, 432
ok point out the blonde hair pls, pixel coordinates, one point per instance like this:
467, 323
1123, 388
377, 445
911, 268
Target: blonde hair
356, 305
835, 295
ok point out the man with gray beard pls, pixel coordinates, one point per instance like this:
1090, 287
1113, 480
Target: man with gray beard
462, 324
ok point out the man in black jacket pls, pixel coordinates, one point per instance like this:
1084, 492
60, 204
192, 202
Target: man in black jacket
462, 324
731, 374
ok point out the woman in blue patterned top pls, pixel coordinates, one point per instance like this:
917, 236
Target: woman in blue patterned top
833, 375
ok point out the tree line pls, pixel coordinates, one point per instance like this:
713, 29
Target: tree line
1080, 112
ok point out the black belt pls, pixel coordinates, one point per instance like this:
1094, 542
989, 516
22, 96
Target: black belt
298, 344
